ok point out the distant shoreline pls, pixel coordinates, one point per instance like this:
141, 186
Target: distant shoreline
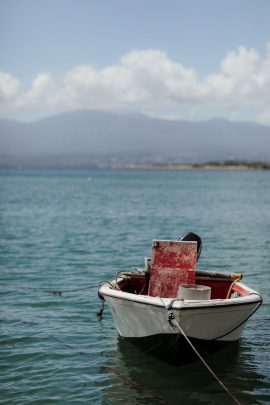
212, 165
228, 165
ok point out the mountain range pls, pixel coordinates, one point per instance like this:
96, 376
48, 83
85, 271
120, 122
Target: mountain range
96, 138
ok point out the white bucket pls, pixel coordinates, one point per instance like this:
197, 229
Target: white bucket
194, 292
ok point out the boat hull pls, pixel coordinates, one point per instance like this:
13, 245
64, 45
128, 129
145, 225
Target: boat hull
155, 324
211, 320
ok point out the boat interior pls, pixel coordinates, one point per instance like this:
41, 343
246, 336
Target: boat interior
172, 265
222, 285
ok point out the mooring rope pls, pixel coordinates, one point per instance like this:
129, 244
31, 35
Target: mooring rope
60, 292
43, 290
171, 318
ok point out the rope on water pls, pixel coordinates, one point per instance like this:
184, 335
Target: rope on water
69, 346
60, 292
171, 319
56, 292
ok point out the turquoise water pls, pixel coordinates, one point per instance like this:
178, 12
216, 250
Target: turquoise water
62, 230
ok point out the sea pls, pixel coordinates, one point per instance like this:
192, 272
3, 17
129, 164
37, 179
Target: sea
64, 231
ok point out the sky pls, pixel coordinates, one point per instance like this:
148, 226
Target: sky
173, 59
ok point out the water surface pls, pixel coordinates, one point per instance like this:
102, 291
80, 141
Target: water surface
62, 230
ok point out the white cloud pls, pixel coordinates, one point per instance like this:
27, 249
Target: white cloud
150, 82
41, 91
9, 86
240, 65
243, 85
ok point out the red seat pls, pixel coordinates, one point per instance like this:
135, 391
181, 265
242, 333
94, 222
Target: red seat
172, 263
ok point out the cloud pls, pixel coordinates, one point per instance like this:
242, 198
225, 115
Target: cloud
141, 79
41, 91
9, 86
241, 75
149, 81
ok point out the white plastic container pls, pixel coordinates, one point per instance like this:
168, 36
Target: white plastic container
194, 292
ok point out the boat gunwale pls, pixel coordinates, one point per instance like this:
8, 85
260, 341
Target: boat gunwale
175, 303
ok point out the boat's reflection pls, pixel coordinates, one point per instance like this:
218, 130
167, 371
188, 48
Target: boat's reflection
135, 377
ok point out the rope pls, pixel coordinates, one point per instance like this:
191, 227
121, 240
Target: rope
172, 318
60, 292
71, 347
101, 310
245, 320
231, 287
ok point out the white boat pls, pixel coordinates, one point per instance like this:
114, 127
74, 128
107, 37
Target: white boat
161, 305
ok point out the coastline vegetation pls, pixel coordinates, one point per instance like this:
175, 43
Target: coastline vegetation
227, 164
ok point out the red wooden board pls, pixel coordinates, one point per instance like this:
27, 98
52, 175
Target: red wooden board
172, 264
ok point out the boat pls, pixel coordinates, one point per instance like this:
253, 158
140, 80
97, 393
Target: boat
171, 309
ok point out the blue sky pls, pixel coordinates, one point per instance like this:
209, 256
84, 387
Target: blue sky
191, 59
